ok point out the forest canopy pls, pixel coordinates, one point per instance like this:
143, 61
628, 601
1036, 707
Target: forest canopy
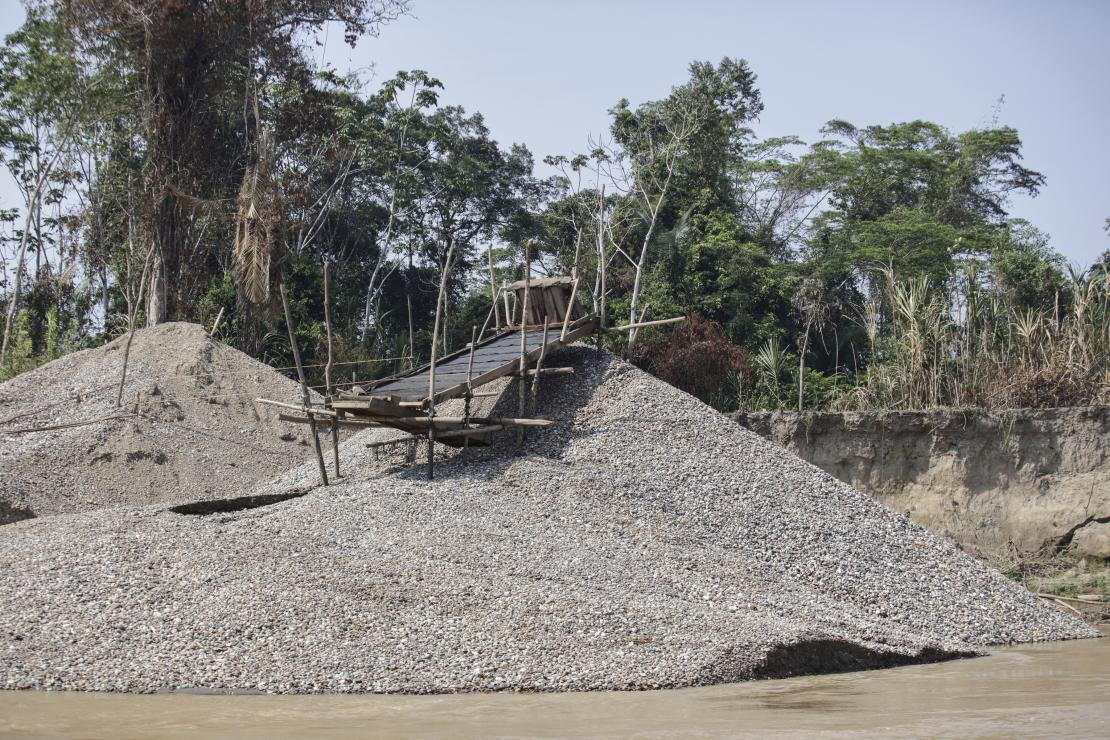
177, 160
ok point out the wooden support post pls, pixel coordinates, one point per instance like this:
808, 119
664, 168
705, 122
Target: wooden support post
524, 337
327, 369
493, 291
493, 310
440, 301
412, 347
570, 310
539, 367
470, 384
216, 323
505, 298
304, 386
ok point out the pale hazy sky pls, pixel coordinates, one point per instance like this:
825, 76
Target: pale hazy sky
545, 73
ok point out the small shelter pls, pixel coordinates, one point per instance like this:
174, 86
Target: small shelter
549, 300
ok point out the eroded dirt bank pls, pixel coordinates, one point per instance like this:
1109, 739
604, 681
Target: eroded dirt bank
1030, 476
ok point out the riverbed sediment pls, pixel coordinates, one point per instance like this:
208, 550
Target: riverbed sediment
642, 541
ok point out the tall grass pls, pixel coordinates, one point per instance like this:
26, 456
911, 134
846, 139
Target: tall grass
968, 346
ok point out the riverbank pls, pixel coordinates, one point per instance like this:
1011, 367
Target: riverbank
1024, 480
1026, 691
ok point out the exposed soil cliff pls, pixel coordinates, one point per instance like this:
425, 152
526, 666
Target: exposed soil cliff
1029, 476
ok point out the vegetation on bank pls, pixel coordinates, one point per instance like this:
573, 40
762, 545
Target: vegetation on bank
176, 160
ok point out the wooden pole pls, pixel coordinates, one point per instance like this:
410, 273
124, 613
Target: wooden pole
469, 383
493, 310
412, 347
327, 368
304, 386
570, 310
640, 325
539, 367
505, 297
432, 362
216, 323
524, 336
493, 290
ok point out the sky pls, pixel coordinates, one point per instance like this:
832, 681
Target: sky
545, 74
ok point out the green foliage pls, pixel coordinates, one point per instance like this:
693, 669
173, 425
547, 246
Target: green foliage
880, 262
21, 354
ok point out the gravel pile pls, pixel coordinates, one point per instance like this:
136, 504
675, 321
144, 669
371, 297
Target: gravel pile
643, 541
196, 432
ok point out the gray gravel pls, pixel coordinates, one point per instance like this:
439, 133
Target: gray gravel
643, 541
197, 432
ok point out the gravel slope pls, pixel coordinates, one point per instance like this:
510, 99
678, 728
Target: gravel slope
197, 432
642, 541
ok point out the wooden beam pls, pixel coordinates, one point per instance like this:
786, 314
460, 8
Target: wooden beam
447, 421
304, 385
471, 432
294, 407
346, 423
658, 322
550, 371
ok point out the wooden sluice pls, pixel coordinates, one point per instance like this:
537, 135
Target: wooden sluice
552, 318
404, 402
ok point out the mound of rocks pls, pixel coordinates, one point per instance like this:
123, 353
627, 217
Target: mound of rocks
187, 427
642, 541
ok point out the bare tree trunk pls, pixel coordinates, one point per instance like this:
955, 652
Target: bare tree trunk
32, 210
599, 278
802, 368
13, 305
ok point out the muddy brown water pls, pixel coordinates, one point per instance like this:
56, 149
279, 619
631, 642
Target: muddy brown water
1049, 690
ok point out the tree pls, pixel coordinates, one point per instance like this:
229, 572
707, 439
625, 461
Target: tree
199, 65
41, 93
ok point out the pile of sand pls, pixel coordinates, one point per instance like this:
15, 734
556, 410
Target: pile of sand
641, 541
187, 429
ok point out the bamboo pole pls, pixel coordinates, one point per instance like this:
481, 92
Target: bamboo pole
469, 382
570, 310
308, 409
327, 369
493, 290
432, 362
640, 325
539, 367
304, 385
443, 421
485, 324
412, 347
524, 336
216, 323
466, 434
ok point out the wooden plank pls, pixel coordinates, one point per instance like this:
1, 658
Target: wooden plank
295, 407
471, 432
346, 423
493, 359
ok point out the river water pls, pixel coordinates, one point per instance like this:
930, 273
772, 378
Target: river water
1056, 689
